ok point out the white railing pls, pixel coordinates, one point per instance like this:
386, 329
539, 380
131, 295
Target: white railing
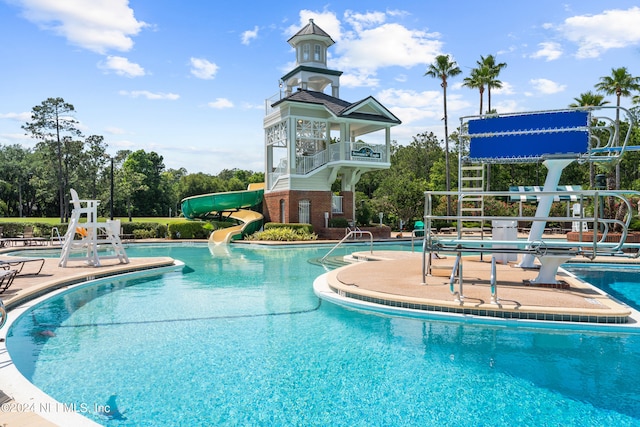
306, 164
359, 233
353, 151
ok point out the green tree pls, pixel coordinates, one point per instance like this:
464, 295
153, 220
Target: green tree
16, 172
620, 83
494, 68
589, 99
478, 79
93, 171
149, 200
53, 125
444, 68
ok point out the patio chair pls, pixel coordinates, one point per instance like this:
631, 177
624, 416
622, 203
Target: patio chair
28, 232
19, 263
6, 279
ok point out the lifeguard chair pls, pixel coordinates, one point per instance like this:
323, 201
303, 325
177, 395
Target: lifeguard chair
86, 237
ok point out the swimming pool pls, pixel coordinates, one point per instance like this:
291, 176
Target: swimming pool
241, 339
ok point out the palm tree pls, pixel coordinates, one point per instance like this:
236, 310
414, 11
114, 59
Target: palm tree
620, 83
494, 70
478, 79
443, 68
589, 99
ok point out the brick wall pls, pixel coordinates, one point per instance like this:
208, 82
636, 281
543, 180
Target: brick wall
320, 202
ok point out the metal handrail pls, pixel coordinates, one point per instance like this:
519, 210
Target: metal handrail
3, 314
349, 234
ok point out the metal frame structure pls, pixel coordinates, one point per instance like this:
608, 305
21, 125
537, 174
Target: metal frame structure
557, 138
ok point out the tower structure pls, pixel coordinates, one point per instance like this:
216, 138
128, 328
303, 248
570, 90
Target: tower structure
313, 139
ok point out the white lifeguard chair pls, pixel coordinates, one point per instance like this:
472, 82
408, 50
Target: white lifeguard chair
86, 236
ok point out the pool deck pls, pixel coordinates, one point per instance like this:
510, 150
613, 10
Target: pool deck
395, 280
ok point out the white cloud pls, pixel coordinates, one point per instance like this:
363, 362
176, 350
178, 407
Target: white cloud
411, 106
220, 103
121, 66
364, 20
18, 117
548, 50
595, 34
101, 26
114, 130
546, 87
506, 89
395, 45
362, 79
149, 95
203, 69
249, 35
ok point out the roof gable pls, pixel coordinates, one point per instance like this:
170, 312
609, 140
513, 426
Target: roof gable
366, 109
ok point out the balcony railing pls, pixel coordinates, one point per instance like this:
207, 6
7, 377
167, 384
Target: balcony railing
354, 151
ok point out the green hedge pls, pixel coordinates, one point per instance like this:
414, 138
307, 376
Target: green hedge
190, 230
144, 230
139, 230
338, 223
40, 229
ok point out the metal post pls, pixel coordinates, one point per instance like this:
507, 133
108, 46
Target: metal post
111, 198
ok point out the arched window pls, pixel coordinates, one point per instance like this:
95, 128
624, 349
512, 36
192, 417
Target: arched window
304, 212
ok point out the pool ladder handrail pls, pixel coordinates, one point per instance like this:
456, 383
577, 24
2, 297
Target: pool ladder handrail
3, 314
55, 233
349, 234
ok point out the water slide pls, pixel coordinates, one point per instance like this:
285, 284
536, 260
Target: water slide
233, 204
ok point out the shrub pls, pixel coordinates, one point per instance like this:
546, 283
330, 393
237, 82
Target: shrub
283, 234
143, 234
189, 230
308, 228
151, 229
338, 223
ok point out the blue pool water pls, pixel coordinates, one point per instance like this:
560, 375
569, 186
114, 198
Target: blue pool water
241, 339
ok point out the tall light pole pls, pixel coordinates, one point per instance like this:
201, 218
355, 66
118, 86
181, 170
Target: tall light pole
111, 198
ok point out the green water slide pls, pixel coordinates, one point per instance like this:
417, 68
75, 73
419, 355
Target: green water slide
203, 205
234, 202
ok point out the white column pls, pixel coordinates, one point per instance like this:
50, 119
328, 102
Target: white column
555, 167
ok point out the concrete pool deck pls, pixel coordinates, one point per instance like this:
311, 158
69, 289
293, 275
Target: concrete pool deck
395, 280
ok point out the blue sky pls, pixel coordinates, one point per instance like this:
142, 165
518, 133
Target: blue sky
189, 79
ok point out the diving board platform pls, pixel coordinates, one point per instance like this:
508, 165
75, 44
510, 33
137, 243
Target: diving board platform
556, 138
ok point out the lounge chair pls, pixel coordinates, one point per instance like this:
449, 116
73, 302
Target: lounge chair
6, 279
19, 264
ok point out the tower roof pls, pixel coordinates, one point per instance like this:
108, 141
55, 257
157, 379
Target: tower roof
311, 29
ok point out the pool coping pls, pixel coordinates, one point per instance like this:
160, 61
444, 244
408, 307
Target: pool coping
389, 284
